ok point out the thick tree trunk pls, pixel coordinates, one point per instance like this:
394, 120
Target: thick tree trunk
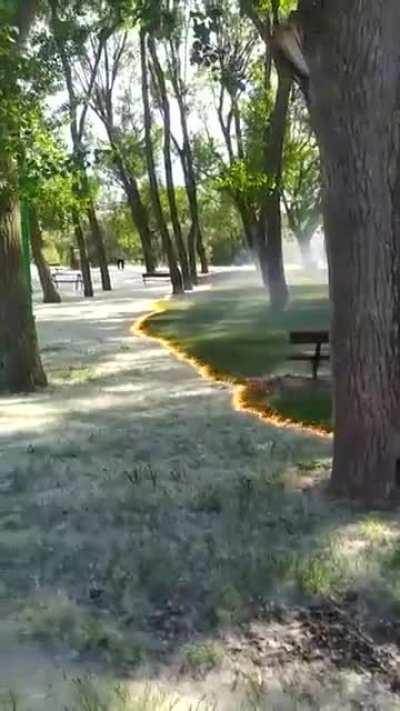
352, 49
20, 366
84, 260
270, 228
50, 293
176, 225
176, 278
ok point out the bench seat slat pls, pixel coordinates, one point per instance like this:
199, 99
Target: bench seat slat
308, 356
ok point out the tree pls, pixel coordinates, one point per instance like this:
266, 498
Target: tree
102, 100
50, 293
168, 247
352, 57
20, 365
68, 38
224, 44
175, 44
269, 234
161, 88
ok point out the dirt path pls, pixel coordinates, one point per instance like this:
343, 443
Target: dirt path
116, 404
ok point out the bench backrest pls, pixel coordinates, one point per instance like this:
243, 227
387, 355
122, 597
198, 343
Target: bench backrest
309, 337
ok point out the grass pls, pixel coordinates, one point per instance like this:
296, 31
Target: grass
233, 331
202, 658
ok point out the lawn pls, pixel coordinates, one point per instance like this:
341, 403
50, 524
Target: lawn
232, 330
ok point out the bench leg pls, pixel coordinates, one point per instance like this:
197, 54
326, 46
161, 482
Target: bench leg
316, 361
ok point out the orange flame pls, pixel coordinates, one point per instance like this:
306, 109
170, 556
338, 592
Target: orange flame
244, 397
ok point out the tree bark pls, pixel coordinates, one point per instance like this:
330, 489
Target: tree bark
20, 366
269, 237
195, 239
95, 230
84, 260
176, 278
166, 112
352, 50
50, 293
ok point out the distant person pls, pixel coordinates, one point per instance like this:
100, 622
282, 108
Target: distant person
121, 264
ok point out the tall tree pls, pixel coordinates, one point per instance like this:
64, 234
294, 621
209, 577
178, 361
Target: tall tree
162, 90
269, 233
102, 100
20, 365
175, 45
352, 53
61, 32
168, 247
225, 45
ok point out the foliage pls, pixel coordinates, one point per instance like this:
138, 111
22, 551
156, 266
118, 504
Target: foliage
222, 226
121, 236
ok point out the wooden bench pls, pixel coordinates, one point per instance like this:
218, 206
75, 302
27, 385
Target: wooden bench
317, 338
61, 276
149, 276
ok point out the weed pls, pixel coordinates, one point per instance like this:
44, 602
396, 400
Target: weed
50, 618
208, 499
203, 657
373, 529
73, 375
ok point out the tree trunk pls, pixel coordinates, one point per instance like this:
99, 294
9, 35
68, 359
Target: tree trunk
95, 229
138, 210
85, 266
73, 262
176, 278
304, 242
270, 227
176, 225
50, 293
97, 236
140, 218
352, 50
83, 189
20, 366
195, 235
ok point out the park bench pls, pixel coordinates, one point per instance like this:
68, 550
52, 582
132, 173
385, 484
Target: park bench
315, 338
62, 276
149, 276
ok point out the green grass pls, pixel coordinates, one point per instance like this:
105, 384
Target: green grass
313, 408
233, 330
